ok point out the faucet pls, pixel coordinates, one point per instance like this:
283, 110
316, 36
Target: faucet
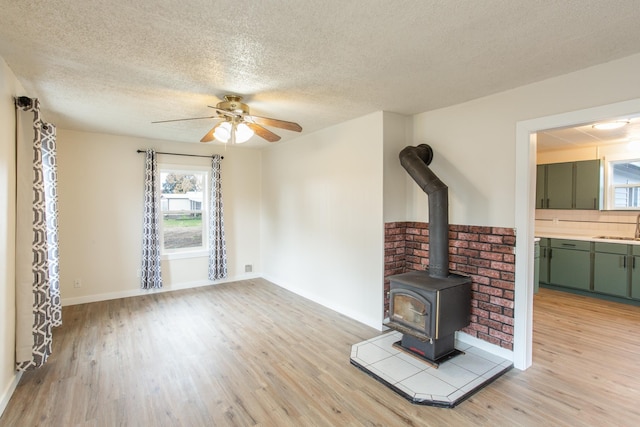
637, 235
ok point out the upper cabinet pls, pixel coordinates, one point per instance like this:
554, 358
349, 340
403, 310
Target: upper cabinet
569, 185
541, 186
560, 185
588, 185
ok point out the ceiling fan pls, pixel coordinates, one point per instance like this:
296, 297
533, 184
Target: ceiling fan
237, 125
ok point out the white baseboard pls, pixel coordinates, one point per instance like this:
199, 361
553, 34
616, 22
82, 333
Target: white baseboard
137, 292
484, 345
6, 395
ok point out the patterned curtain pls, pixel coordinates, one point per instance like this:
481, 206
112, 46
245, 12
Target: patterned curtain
151, 274
38, 306
217, 245
50, 173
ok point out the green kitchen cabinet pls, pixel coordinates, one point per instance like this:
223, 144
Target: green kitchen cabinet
635, 272
543, 262
610, 269
568, 185
587, 185
559, 186
635, 277
570, 264
541, 186
597, 268
536, 266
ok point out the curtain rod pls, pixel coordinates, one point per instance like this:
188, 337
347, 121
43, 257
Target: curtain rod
179, 154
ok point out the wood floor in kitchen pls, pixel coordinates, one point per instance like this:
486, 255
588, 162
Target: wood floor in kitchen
251, 353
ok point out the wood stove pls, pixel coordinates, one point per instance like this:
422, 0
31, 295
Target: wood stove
429, 306
428, 311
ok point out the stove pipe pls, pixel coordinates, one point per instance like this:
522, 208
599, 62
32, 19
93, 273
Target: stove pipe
415, 160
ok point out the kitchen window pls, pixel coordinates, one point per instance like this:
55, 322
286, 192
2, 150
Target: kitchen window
183, 207
624, 184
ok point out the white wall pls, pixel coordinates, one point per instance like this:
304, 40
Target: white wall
9, 87
100, 201
489, 175
397, 135
322, 223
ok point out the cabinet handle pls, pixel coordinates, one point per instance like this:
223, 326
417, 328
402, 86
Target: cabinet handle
633, 265
594, 203
548, 203
550, 252
624, 262
571, 245
542, 203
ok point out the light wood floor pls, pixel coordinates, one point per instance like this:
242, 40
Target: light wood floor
250, 353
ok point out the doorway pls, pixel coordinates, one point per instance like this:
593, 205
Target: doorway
526, 144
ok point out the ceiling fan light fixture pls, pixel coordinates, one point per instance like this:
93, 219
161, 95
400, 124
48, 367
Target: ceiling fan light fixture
223, 132
236, 133
243, 133
610, 125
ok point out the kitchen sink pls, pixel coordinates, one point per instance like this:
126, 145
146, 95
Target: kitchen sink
617, 238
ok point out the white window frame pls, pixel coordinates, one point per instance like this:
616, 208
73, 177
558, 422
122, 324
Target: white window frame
610, 187
200, 251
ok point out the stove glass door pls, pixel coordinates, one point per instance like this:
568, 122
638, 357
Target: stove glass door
409, 308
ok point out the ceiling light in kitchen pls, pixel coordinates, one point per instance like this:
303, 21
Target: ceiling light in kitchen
610, 125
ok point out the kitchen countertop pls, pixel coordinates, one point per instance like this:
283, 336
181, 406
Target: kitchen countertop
587, 238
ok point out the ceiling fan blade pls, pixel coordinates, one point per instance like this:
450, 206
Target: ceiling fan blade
180, 120
282, 124
262, 132
209, 136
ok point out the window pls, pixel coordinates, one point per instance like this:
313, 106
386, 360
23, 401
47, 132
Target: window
625, 184
183, 204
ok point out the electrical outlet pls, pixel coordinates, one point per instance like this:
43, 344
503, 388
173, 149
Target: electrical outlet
77, 283
248, 268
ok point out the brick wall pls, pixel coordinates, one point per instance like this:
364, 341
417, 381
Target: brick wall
486, 254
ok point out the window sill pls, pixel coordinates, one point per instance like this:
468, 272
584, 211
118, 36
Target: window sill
200, 253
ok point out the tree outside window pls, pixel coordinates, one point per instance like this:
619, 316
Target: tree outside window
183, 207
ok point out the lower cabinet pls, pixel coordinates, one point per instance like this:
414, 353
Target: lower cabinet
597, 267
611, 268
569, 264
543, 263
635, 272
635, 277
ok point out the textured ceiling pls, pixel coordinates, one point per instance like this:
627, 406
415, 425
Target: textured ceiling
115, 66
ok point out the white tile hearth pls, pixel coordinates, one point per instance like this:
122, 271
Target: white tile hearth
419, 382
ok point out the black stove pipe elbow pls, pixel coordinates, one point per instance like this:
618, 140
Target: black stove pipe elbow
415, 160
